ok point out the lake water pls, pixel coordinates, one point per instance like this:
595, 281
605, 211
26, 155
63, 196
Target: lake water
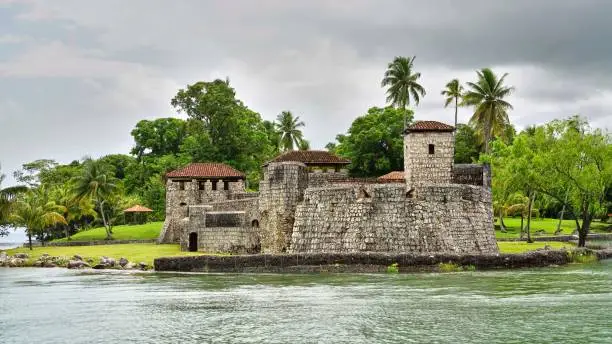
553, 305
15, 238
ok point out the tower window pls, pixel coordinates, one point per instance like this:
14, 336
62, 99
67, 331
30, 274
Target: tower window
214, 185
432, 149
225, 185
201, 185
181, 185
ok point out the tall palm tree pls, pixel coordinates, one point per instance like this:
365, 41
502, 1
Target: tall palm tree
490, 109
8, 197
402, 83
98, 184
288, 128
36, 212
453, 91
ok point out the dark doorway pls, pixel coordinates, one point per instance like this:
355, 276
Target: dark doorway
255, 224
193, 242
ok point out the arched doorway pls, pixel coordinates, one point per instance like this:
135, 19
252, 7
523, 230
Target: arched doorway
193, 242
255, 223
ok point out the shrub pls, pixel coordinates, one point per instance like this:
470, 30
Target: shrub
393, 268
583, 257
469, 267
449, 267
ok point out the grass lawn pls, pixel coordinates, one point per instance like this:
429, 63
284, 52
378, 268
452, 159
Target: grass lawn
520, 246
125, 232
513, 226
147, 252
133, 252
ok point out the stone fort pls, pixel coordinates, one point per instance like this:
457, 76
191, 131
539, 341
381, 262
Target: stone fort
307, 203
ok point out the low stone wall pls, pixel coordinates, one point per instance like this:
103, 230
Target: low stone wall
360, 262
96, 242
562, 238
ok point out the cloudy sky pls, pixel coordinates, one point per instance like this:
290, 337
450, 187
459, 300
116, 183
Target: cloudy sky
76, 76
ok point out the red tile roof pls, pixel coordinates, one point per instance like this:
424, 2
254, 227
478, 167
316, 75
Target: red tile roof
205, 170
311, 157
394, 175
430, 126
137, 209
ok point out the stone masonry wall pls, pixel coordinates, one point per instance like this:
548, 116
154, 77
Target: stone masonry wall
319, 178
220, 231
178, 201
380, 218
423, 168
281, 189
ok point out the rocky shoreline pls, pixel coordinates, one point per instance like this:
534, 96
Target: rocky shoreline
75, 262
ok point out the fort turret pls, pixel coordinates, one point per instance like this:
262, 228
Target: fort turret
428, 154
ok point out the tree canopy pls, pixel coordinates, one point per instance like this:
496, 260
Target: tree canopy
374, 142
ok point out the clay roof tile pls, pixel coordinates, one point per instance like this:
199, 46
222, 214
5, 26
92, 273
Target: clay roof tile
205, 170
430, 126
311, 157
394, 175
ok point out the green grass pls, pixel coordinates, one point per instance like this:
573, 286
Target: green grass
513, 226
125, 232
521, 246
133, 252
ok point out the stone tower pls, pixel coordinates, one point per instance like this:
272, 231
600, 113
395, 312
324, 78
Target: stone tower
280, 191
428, 153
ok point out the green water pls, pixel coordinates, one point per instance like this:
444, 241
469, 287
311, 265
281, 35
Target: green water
554, 305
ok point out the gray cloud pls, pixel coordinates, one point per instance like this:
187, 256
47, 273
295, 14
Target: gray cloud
92, 65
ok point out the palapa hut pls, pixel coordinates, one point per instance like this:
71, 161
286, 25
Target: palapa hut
139, 214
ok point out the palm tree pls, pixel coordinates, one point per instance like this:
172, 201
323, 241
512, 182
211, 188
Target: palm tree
97, 184
453, 91
402, 83
491, 110
75, 207
288, 128
8, 197
36, 212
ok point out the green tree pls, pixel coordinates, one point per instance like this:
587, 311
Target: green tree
575, 161
288, 127
37, 212
8, 198
30, 172
118, 163
487, 95
158, 137
99, 184
402, 84
227, 130
453, 92
467, 147
374, 142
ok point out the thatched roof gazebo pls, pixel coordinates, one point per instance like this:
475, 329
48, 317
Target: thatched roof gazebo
139, 214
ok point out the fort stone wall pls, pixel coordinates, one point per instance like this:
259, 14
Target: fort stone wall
381, 218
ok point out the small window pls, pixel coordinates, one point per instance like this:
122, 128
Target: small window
225, 185
432, 149
201, 184
181, 185
214, 185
